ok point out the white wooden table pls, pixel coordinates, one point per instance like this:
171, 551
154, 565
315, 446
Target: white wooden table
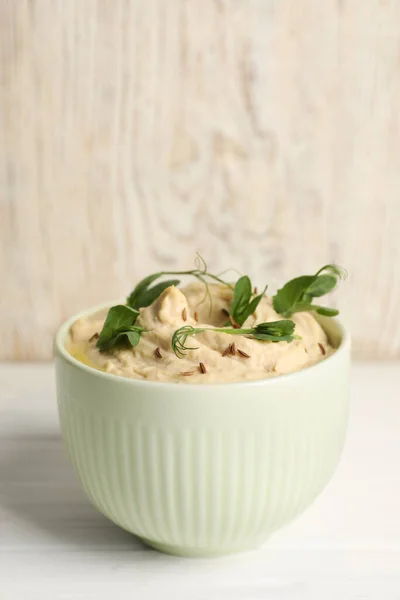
54, 545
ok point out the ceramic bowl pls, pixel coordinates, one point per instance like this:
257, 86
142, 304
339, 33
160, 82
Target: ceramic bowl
204, 469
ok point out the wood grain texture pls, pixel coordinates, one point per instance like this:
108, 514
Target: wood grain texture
264, 133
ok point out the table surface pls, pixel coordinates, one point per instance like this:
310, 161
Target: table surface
54, 545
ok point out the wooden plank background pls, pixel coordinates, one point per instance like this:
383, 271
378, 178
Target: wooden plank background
264, 133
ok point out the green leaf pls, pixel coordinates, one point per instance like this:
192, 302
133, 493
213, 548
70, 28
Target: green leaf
304, 307
321, 310
253, 305
285, 326
297, 294
140, 288
150, 295
118, 317
133, 337
275, 331
242, 306
130, 337
147, 295
321, 285
282, 327
241, 297
327, 312
119, 320
290, 294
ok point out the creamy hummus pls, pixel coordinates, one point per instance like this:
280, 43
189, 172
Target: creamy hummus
153, 358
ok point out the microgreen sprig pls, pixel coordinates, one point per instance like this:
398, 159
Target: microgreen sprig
297, 294
144, 295
119, 327
243, 303
275, 331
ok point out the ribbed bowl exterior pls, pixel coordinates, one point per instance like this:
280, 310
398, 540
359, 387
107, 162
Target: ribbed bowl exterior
203, 470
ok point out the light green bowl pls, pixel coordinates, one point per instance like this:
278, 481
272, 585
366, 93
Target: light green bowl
204, 469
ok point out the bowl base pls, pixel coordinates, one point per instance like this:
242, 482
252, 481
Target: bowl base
188, 552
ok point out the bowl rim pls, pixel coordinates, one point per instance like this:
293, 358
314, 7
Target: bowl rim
62, 352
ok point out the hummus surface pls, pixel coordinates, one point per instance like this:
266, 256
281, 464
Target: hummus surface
166, 315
